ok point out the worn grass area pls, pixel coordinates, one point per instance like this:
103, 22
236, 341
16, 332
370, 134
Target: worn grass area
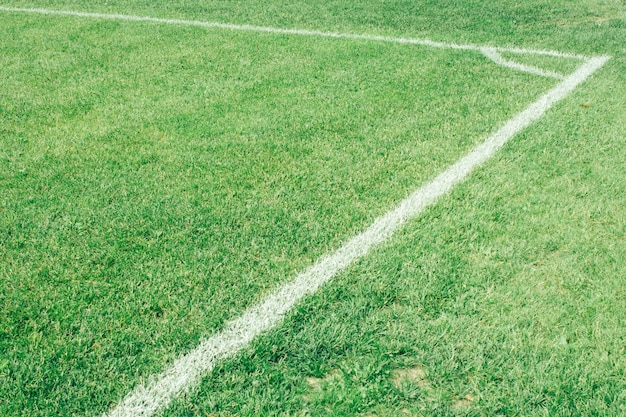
154, 181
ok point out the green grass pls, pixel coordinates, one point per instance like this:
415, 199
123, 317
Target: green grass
155, 181
508, 297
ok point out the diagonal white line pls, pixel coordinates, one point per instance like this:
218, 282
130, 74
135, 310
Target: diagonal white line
300, 32
186, 372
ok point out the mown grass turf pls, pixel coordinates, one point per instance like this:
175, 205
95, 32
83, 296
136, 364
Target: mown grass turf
506, 299
156, 180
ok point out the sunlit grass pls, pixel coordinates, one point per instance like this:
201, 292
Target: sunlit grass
155, 181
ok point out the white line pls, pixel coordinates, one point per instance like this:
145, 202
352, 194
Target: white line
495, 56
300, 32
186, 372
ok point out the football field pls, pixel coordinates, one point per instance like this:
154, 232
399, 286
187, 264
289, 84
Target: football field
293, 208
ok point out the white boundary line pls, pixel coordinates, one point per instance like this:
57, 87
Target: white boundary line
187, 371
492, 53
300, 32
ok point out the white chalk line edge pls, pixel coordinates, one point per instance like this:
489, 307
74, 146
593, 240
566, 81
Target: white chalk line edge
187, 371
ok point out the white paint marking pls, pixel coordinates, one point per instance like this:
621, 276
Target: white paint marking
300, 32
495, 56
186, 372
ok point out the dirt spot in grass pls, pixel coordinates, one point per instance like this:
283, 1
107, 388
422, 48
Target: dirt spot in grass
415, 375
464, 403
318, 383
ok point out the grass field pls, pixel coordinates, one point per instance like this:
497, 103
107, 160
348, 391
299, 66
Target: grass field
158, 180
